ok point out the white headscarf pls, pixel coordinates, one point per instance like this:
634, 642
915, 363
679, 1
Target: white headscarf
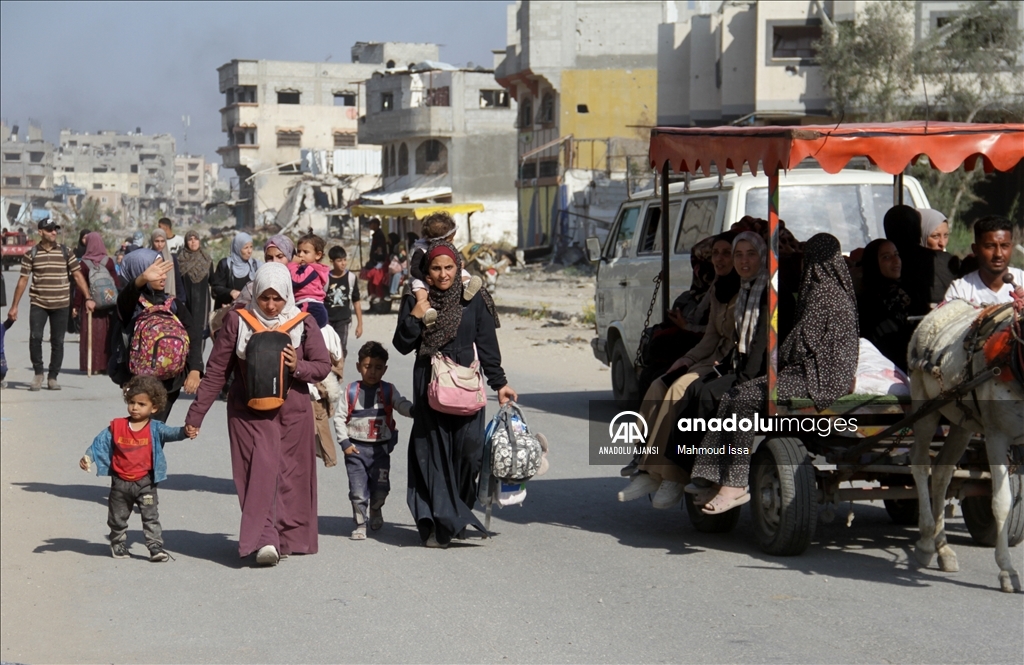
930, 220
748, 304
270, 276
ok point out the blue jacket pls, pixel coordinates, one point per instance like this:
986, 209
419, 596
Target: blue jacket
101, 449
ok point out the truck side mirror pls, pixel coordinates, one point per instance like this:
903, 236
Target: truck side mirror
593, 249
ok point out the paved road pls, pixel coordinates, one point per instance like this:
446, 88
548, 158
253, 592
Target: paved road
574, 576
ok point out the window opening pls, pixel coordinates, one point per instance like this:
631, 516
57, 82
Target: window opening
287, 97
492, 99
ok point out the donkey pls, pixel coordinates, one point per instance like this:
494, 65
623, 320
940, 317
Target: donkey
952, 344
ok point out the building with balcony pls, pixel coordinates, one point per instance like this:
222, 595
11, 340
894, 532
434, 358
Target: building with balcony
26, 165
273, 110
190, 183
447, 135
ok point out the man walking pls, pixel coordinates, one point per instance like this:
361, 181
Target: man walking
174, 243
51, 266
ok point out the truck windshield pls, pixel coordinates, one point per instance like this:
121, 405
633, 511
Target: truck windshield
852, 213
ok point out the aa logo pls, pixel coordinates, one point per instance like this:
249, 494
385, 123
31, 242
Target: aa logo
628, 427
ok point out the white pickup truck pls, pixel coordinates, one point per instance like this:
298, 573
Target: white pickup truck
850, 205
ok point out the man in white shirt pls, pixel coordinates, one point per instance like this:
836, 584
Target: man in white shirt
993, 246
174, 243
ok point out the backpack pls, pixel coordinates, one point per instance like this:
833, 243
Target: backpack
266, 377
511, 456
387, 398
159, 343
101, 286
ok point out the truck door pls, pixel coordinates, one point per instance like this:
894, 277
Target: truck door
610, 300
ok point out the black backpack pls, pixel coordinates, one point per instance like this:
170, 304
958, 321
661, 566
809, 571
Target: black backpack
264, 374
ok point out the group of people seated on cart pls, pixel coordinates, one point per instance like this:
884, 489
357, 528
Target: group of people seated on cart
827, 302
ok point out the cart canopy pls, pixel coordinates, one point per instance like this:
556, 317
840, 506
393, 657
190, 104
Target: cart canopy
414, 210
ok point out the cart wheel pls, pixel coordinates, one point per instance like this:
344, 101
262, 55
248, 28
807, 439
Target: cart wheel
902, 511
977, 512
705, 523
783, 497
624, 383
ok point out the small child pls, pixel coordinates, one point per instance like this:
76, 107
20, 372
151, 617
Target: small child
367, 434
342, 300
3, 353
309, 277
131, 451
436, 225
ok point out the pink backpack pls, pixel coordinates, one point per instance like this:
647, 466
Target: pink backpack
455, 389
159, 345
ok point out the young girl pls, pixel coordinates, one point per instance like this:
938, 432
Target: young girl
439, 225
309, 277
131, 452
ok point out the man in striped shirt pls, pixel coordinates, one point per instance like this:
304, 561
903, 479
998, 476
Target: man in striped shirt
51, 266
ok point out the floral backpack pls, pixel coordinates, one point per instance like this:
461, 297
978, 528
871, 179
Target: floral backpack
159, 344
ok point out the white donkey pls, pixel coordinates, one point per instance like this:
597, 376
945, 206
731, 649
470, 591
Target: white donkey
939, 361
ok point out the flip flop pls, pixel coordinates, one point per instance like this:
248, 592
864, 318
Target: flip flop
701, 498
719, 504
359, 533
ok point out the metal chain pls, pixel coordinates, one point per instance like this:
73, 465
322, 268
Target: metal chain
645, 335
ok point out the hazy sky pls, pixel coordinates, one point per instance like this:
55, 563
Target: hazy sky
94, 65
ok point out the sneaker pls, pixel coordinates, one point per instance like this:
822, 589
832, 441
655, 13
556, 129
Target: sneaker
472, 287
430, 318
157, 554
669, 494
641, 484
376, 518
630, 469
37, 383
119, 551
51, 384
267, 556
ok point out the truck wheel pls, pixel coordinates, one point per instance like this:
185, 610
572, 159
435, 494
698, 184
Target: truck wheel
783, 497
978, 517
705, 523
624, 383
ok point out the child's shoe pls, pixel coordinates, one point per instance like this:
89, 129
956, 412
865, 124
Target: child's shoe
376, 519
157, 554
430, 318
119, 551
471, 288
359, 533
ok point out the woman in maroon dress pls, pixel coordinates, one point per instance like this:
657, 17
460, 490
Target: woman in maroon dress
96, 338
272, 452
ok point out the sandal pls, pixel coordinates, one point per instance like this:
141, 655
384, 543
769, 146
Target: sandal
359, 533
719, 504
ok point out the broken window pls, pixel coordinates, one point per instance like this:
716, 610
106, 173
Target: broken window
289, 139
12, 156
438, 97
35, 181
193, 166
431, 158
387, 101
529, 170
193, 192
193, 178
344, 140
403, 160
12, 182
547, 108
548, 169
493, 99
246, 94
97, 185
135, 168
582, 108
36, 157
344, 99
287, 97
795, 41
526, 113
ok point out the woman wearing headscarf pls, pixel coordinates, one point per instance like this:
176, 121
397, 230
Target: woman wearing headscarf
95, 339
882, 304
196, 269
656, 473
445, 450
145, 274
928, 272
817, 360
234, 272
272, 452
74, 311
158, 243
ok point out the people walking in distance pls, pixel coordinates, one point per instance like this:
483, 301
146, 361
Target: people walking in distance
342, 298
175, 243
95, 326
52, 268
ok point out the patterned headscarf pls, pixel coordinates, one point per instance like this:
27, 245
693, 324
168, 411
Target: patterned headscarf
194, 265
823, 345
240, 267
166, 253
748, 303
270, 276
283, 243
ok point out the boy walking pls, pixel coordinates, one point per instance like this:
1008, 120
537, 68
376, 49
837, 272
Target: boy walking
366, 431
131, 451
343, 297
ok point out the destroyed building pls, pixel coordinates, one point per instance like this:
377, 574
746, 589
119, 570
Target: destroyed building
26, 165
274, 110
447, 135
190, 184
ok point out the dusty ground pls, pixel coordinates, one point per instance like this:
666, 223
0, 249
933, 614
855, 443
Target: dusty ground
543, 293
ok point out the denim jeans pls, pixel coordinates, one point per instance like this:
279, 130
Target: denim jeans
369, 478
37, 318
126, 494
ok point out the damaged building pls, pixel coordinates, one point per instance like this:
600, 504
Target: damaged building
26, 165
447, 135
274, 111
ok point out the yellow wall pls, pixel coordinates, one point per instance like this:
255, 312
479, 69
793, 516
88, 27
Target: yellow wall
616, 99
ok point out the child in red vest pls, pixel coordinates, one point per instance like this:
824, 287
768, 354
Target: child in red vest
131, 451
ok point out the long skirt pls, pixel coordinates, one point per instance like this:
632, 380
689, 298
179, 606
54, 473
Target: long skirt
273, 462
100, 342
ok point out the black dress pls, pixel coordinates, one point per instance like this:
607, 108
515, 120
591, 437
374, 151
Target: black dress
198, 298
223, 282
444, 450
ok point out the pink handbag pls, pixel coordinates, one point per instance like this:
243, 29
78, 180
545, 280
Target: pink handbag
454, 389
